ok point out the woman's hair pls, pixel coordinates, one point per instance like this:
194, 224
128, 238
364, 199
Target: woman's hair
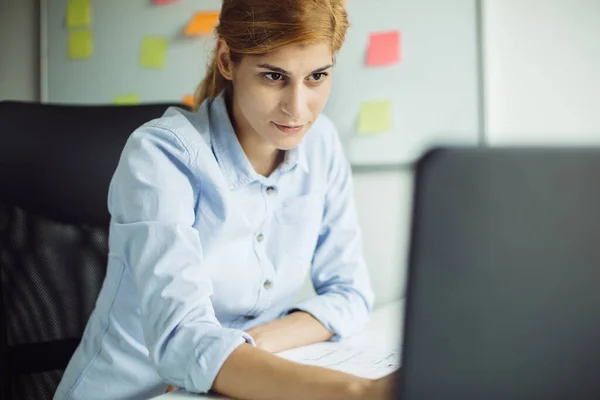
256, 27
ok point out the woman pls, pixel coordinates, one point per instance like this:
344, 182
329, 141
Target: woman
217, 215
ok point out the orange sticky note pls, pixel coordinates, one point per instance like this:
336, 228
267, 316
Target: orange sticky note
384, 48
202, 23
188, 100
162, 2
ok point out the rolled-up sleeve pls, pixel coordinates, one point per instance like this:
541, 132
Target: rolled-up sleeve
339, 274
152, 201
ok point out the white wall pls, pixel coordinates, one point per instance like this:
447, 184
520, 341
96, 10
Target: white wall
383, 202
542, 85
542, 63
19, 50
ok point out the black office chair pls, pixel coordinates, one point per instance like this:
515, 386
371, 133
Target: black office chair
56, 163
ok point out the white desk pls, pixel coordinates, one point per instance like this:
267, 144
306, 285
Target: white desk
383, 335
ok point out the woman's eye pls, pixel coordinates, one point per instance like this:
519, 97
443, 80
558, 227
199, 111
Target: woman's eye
318, 76
273, 76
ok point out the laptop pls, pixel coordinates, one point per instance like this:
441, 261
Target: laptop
503, 298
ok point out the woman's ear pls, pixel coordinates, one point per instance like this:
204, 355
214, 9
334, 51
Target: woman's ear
224, 62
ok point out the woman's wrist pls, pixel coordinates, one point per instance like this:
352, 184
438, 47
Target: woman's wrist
290, 331
263, 342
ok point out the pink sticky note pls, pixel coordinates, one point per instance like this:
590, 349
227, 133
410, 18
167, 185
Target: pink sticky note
384, 48
161, 2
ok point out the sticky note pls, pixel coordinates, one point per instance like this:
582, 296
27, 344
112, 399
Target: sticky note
375, 117
79, 13
81, 44
202, 23
163, 2
154, 52
188, 100
127, 99
384, 48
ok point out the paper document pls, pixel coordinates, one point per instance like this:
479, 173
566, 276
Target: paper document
364, 361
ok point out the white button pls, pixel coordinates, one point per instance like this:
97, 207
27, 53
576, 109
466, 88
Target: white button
260, 237
271, 190
268, 284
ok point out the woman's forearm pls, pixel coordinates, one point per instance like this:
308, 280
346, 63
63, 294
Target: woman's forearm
294, 330
250, 373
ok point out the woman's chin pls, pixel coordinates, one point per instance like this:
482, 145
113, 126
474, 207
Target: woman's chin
286, 143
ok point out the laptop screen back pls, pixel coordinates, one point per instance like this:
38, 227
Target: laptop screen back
504, 276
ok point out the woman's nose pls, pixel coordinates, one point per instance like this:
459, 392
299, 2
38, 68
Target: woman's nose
293, 102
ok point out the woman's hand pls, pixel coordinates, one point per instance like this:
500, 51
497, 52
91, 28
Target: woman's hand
382, 388
294, 330
263, 337
170, 389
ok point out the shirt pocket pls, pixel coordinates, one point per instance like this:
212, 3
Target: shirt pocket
299, 223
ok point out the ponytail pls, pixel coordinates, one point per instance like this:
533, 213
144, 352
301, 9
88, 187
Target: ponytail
212, 84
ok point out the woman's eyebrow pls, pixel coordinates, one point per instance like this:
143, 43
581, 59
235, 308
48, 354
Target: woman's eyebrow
284, 72
316, 71
274, 69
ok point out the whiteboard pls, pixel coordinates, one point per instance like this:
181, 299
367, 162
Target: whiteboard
434, 89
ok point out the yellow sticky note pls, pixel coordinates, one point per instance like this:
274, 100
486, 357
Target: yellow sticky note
81, 44
375, 117
79, 13
202, 23
127, 99
154, 52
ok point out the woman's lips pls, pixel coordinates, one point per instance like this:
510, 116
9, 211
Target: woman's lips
290, 129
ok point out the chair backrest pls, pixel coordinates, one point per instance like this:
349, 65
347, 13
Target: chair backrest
56, 162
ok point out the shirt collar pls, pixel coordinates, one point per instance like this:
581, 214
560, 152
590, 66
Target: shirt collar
295, 157
229, 153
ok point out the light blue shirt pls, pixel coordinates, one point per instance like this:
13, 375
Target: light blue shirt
202, 247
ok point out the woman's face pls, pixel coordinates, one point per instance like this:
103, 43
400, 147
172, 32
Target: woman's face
278, 96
